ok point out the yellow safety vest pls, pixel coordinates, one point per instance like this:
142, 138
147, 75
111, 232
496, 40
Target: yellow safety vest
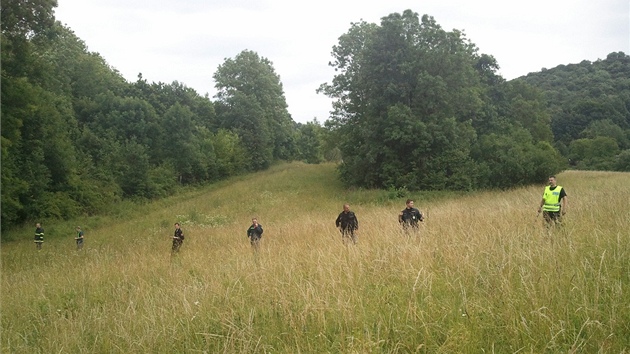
552, 198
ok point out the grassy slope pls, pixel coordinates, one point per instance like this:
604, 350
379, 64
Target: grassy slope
483, 275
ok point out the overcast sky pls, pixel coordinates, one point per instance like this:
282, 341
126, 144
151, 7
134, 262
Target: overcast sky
186, 40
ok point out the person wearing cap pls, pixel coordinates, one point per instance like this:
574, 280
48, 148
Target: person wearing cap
554, 203
39, 236
79, 238
410, 217
178, 238
348, 225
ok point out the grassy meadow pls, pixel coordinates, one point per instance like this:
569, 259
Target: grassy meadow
482, 276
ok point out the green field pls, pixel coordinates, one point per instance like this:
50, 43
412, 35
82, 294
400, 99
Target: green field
483, 275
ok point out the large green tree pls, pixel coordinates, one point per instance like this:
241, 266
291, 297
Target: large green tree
39, 165
310, 141
404, 97
77, 137
251, 102
415, 106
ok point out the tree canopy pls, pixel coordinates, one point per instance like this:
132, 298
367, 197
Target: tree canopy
76, 136
418, 107
414, 107
251, 103
589, 108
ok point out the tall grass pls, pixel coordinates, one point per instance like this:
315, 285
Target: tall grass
482, 275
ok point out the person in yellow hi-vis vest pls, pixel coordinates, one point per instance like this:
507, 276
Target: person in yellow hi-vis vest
554, 203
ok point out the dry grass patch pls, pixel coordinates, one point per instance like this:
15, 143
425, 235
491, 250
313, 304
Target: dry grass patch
482, 274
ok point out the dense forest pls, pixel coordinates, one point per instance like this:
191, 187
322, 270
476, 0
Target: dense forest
418, 107
414, 107
589, 104
77, 137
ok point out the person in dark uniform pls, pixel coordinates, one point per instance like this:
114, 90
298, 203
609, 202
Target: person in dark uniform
39, 235
410, 217
178, 238
79, 238
348, 225
254, 233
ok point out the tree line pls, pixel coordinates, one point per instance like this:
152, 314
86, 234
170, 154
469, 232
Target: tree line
589, 104
414, 107
418, 107
77, 137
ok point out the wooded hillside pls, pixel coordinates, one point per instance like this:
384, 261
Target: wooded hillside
415, 107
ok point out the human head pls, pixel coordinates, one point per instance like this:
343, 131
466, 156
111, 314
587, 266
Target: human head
409, 203
38, 225
552, 181
177, 225
255, 221
78, 228
346, 207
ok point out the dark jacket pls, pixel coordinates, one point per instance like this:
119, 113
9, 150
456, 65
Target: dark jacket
411, 217
255, 232
179, 234
39, 234
347, 221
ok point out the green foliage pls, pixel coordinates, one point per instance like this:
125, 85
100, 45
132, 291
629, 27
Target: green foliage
184, 151
162, 180
243, 117
38, 154
515, 154
132, 167
607, 128
230, 154
251, 103
586, 101
94, 195
397, 193
416, 106
525, 106
26, 18
622, 161
12, 187
310, 141
594, 154
162, 96
76, 137
56, 205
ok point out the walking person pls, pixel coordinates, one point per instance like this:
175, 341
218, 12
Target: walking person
348, 225
554, 203
254, 233
178, 238
39, 235
79, 238
410, 217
